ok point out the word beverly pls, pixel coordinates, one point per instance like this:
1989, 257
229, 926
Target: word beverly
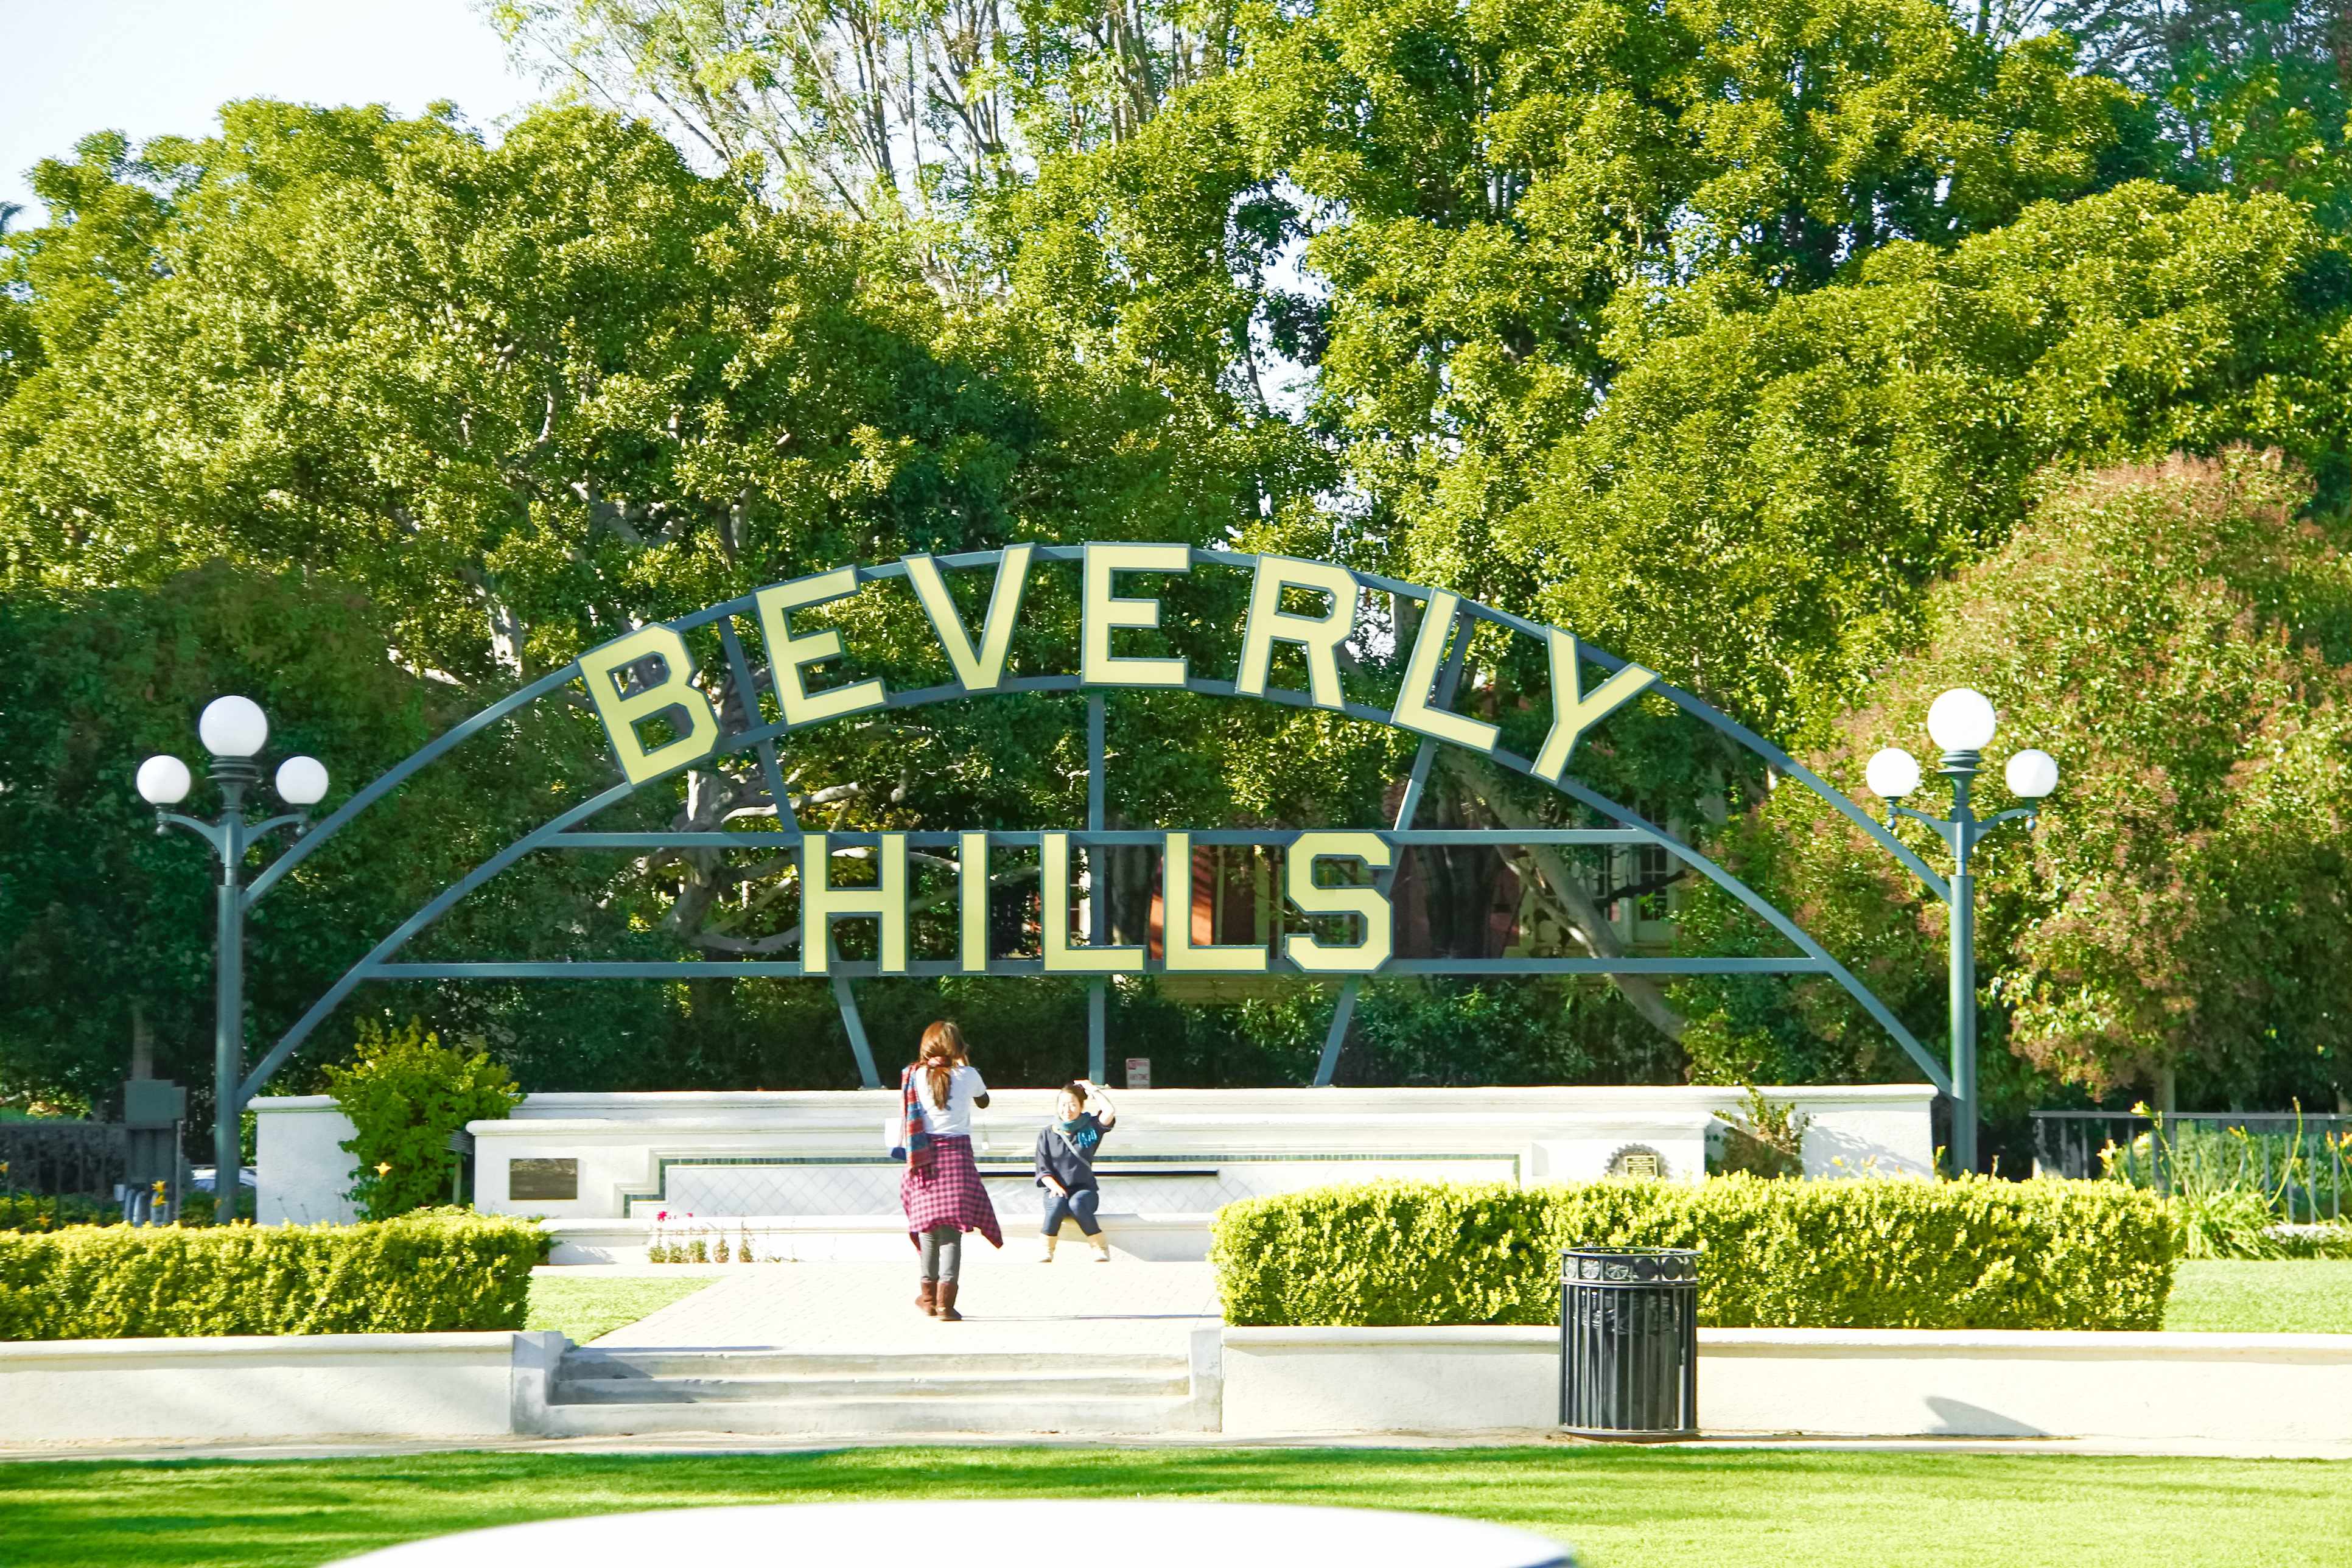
980, 667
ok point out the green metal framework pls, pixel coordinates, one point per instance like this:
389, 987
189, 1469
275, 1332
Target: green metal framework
569, 830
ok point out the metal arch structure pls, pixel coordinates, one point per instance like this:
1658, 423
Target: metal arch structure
759, 737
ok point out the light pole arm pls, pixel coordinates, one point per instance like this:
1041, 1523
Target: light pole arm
1945, 828
210, 831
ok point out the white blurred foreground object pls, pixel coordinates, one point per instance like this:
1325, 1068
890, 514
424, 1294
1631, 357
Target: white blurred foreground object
992, 1534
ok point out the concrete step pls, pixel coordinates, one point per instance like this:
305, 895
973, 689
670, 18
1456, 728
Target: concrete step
619, 1392
1173, 1382
867, 1417
627, 1362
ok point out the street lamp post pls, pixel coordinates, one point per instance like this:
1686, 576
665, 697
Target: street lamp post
1961, 722
233, 730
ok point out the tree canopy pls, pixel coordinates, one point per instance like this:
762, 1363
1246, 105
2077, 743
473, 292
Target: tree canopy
1746, 339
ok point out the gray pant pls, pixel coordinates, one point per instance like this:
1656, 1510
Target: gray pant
942, 1252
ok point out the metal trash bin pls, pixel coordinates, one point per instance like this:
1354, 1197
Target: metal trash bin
1629, 1341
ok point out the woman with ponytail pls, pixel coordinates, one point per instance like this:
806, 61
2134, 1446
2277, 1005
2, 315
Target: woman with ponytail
942, 1189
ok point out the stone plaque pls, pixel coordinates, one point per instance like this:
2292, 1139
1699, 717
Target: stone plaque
1638, 1163
549, 1181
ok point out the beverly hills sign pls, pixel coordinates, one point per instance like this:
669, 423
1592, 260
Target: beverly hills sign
648, 680
664, 711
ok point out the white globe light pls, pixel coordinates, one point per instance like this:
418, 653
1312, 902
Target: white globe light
233, 727
2031, 775
302, 781
1892, 773
163, 781
1962, 720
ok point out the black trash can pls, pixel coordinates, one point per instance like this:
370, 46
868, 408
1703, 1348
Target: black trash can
1629, 1341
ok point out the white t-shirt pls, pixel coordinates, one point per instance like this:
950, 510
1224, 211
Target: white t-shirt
954, 1120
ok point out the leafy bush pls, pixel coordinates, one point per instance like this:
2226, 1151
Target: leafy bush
1764, 1140
2307, 1241
1970, 1254
2230, 1188
420, 1273
201, 1209
406, 1095
30, 1212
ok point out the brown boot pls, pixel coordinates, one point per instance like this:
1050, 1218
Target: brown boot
928, 1297
946, 1312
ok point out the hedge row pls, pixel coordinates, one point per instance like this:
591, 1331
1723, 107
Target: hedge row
422, 1273
1972, 1254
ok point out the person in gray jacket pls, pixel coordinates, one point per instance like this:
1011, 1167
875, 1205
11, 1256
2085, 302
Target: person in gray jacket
1065, 1164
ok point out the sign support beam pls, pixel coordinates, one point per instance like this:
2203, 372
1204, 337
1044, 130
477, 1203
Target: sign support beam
1098, 886
1344, 1012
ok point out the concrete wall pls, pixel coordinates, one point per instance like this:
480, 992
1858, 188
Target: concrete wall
299, 1163
730, 1149
293, 1386
2253, 1388
2247, 1389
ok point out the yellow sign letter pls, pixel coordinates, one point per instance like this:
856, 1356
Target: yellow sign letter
821, 902
789, 653
1367, 904
979, 669
1412, 709
1104, 612
1176, 923
972, 893
1573, 709
1061, 957
674, 696
1319, 636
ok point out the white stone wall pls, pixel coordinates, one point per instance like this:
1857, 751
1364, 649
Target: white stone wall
1256, 1141
2250, 1389
299, 1162
291, 1385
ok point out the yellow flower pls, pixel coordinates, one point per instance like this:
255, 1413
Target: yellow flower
383, 1170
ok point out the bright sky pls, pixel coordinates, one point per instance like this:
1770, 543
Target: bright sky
155, 68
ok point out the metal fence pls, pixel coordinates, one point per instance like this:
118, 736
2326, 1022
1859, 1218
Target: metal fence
2302, 1165
63, 1159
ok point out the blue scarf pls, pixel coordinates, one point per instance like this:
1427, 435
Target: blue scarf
1083, 1136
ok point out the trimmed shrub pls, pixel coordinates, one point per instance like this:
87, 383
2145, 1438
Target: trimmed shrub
1969, 1254
420, 1273
405, 1094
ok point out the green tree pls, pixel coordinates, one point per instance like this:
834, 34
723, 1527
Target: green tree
2250, 96
520, 400
1767, 499
2181, 639
406, 1092
882, 110
106, 929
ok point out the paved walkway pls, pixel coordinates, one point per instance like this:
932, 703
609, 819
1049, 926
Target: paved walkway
1010, 1302
720, 1443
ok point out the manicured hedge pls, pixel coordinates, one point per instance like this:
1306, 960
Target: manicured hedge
1973, 1254
417, 1274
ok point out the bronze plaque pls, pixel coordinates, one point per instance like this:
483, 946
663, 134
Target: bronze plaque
550, 1181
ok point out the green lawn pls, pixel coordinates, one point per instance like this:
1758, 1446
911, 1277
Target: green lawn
2309, 1296
1618, 1508
589, 1306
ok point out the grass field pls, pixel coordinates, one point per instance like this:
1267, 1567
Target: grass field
2305, 1296
1617, 1508
589, 1306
